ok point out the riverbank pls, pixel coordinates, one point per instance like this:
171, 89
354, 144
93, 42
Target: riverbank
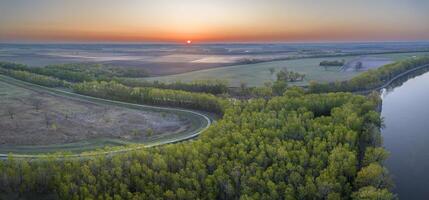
393, 80
405, 113
373, 79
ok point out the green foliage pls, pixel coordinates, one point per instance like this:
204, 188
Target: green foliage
373, 175
327, 63
81, 72
35, 78
13, 66
279, 87
249, 61
245, 92
261, 92
117, 91
78, 72
289, 76
154, 96
372, 193
295, 146
374, 155
205, 86
371, 78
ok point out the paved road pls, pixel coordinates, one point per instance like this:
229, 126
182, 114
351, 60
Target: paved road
204, 126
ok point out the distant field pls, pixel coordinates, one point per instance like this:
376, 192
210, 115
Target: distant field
33, 121
258, 74
170, 59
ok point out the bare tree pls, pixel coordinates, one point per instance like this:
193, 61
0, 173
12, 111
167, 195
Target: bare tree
37, 103
11, 112
104, 115
243, 86
67, 115
358, 66
47, 120
149, 132
268, 84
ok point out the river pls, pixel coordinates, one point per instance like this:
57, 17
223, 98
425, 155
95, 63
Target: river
405, 111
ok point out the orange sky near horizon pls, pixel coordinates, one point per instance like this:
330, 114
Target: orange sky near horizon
213, 21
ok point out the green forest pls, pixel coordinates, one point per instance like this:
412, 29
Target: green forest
152, 96
297, 146
281, 143
206, 86
214, 99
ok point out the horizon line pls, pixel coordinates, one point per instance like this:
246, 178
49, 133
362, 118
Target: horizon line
214, 42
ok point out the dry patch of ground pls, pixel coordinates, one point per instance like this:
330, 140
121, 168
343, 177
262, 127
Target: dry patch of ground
35, 118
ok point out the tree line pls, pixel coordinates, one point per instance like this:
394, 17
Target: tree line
329, 63
81, 72
204, 86
35, 78
154, 96
296, 146
116, 91
68, 72
370, 79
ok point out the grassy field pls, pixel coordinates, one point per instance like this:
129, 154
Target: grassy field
258, 74
34, 120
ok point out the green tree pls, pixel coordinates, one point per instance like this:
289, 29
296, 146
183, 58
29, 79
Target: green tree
372, 193
373, 175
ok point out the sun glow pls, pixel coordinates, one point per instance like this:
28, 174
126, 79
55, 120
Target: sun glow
212, 21
188, 42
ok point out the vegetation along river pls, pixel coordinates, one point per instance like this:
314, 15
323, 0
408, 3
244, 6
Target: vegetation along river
406, 134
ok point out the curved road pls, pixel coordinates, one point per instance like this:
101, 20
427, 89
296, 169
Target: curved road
191, 135
203, 126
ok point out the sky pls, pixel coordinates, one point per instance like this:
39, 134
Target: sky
213, 20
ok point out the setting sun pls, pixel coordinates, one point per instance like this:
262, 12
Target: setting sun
188, 42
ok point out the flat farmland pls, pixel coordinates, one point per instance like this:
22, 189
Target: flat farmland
259, 73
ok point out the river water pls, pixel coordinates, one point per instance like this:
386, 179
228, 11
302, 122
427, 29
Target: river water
406, 135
